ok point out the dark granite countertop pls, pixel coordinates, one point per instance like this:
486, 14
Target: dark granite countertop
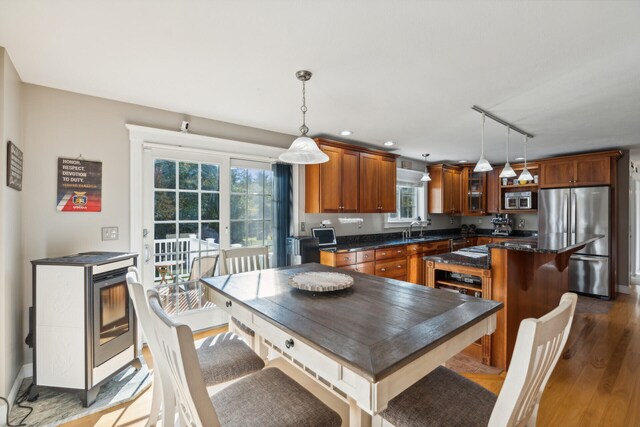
86, 259
550, 243
456, 258
395, 241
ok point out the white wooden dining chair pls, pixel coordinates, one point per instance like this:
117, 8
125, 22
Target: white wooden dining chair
268, 398
222, 358
242, 260
445, 398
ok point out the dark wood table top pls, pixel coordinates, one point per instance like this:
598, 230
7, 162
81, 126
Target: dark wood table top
375, 327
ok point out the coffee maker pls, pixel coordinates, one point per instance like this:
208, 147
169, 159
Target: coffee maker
501, 225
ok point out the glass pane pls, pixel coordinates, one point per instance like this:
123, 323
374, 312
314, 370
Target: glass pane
238, 180
210, 177
211, 230
210, 206
164, 206
255, 207
188, 228
238, 206
164, 174
188, 206
268, 233
255, 235
164, 231
188, 176
267, 208
268, 182
238, 232
256, 181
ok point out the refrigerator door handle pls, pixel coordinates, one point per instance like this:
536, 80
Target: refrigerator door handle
565, 209
574, 214
589, 258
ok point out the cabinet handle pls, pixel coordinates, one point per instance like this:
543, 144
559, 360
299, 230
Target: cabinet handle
346, 258
398, 266
356, 269
365, 256
383, 269
400, 251
228, 304
289, 343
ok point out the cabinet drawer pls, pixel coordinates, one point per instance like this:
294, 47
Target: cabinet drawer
398, 275
365, 256
345, 258
365, 267
393, 267
232, 308
389, 253
438, 246
416, 248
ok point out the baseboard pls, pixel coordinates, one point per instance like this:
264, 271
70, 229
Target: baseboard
25, 371
623, 289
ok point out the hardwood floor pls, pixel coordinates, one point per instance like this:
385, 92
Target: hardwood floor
596, 382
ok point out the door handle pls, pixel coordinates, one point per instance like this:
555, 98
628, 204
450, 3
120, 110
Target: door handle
147, 254
589, 258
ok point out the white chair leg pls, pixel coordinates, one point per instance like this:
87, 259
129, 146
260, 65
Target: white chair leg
156, 400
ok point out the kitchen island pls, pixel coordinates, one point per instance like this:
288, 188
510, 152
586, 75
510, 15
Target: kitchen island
528, 276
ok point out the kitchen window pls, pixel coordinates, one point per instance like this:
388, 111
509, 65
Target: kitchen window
410, 199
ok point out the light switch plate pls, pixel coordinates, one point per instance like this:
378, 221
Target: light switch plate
303, 226
110, 233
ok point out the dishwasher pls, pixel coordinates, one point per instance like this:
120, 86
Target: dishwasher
457, 244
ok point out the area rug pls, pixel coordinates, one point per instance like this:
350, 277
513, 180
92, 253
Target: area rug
53, 408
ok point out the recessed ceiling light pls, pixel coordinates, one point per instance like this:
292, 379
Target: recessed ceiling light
462, 161
389, 143
519, 158
346, 133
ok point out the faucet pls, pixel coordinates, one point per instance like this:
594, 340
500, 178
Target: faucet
418, 221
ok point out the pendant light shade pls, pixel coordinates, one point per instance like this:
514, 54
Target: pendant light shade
525, 175
303, 150
425, 175
507, 170
483, 164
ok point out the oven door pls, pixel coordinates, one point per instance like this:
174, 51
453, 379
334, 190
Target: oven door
524, 202
113, 318
510, 202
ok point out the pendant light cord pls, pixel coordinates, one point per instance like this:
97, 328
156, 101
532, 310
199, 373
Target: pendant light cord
482, 139
508, 131
525, 151
304, 129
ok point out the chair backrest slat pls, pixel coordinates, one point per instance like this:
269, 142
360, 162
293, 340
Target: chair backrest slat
242, 260
204, 266
538, 347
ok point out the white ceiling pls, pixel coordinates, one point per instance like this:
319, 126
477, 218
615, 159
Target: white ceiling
409, 71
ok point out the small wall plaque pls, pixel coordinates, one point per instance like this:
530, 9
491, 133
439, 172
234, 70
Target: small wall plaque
14, 166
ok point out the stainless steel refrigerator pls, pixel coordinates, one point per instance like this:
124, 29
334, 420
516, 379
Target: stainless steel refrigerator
581, 210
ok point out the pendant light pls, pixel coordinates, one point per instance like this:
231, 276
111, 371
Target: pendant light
303, 150
507, 170
483, 164
525, 175
425, 175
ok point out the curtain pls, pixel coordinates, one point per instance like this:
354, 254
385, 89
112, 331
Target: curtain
281, 210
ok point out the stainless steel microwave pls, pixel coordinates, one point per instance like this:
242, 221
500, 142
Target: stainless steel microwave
520, 200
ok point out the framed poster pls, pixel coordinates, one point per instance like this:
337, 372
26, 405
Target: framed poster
79, 185
14, 166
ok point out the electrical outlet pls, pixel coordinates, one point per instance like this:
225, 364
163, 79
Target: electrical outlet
521, 224
479, 220
451, 220
428, 221
110, 233
303, 226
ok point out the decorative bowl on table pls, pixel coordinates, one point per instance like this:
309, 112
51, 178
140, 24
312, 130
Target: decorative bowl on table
320, 281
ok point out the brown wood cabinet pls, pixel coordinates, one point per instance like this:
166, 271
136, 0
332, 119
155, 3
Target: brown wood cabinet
576, 171
332, 187
361, 261
493, 191
474, 194
377, 183
355, 179
444, 190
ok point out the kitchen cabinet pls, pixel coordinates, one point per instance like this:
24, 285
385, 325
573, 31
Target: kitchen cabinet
514, 186
415, 262
361, 261
377, 183
493, 191
576, 171
474, 194
444, 190
332, 187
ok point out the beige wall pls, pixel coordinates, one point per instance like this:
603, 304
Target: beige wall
11, 305
65, 124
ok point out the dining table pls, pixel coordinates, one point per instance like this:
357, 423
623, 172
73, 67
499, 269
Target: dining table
366, 343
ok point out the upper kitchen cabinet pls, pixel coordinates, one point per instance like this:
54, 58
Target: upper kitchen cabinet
332, 187
354, 179
444, 190
493, 191
377, 183
474, 192
577, 171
